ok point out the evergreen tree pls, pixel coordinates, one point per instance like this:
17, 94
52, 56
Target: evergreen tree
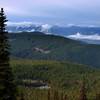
7, 87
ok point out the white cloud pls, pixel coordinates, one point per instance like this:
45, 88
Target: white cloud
45, 28
79, 36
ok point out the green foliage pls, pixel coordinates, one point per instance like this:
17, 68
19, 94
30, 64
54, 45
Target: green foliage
61, 49
83, 92
7, 87
63, 76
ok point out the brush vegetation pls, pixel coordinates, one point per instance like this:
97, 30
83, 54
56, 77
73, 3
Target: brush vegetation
60, 76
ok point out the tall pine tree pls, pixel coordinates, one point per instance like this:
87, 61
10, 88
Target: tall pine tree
7, 87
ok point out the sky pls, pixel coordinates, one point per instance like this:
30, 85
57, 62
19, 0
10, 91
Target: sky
78, 12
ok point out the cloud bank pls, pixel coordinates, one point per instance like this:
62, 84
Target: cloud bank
79, 36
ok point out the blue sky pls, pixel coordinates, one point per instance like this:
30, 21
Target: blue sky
80, 12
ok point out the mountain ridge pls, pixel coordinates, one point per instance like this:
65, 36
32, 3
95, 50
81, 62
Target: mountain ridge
36, 47
88, 34
55, 29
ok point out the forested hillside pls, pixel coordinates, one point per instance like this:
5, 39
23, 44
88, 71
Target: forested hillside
38, 46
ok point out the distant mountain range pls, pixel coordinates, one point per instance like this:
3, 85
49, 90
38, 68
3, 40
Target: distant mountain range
88, 34
54, 29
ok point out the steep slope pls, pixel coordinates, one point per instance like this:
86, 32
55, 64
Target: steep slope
50, 47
